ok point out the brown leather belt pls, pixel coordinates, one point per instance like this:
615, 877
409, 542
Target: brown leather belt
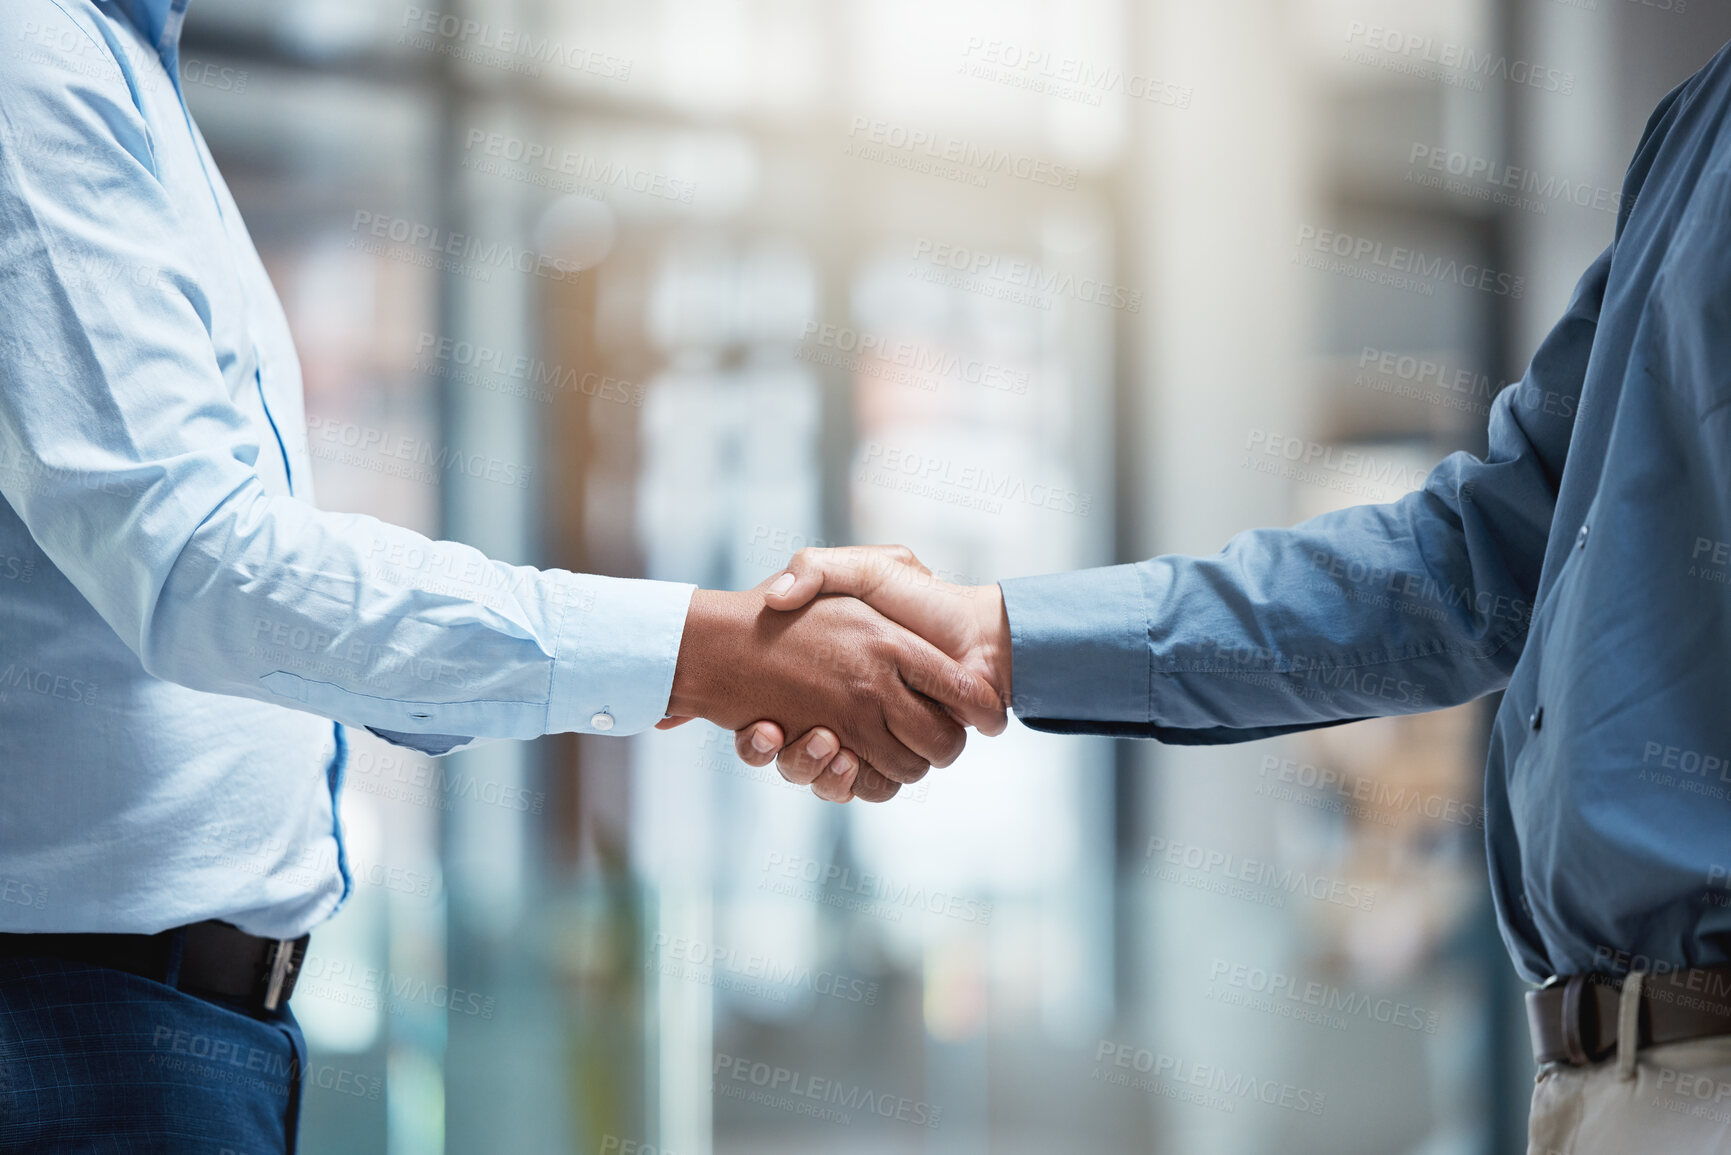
1574, 1019
205, 958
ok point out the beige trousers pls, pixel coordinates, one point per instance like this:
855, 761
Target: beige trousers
1676, 1101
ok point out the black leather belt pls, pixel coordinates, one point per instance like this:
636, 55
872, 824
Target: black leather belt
1574, 1019
206, 958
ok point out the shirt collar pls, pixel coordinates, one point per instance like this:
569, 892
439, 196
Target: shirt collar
159, 20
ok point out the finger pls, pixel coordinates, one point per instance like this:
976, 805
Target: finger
757, 743
836, 783
859, 570
871, 786
807, 756
879, 747
969, 698
926, 728
670, 723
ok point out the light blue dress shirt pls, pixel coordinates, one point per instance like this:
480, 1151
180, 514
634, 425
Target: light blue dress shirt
1582, 566
178, 622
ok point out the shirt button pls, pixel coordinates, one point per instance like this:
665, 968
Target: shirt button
602, 721
1537, 719
1581, 538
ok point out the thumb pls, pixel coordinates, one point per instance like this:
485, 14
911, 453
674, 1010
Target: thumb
853, 570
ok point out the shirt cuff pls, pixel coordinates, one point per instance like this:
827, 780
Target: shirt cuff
1079, 645
618, 645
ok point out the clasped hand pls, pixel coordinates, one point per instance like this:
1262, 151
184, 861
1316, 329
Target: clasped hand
873, 665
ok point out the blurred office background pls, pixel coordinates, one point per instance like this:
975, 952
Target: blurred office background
670, 288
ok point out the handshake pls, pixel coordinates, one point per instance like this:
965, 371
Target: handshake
856, 670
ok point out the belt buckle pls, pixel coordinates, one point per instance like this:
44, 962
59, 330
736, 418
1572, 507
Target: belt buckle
282, 954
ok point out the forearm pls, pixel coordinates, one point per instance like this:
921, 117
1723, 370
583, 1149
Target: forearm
378, 626
1365, 612
1373, 610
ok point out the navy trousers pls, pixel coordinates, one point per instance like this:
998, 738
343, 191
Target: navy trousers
99, 1061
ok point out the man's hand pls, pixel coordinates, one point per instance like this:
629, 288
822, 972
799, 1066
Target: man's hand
890, 696
967, 623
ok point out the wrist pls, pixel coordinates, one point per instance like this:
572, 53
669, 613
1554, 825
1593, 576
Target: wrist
715, 640
994, 633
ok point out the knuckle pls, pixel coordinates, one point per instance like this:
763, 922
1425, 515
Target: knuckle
954, 742
874, 787
908, 769
795, 768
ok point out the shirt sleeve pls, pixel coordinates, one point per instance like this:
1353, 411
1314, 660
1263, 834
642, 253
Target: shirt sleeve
123, 452
1363, 612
